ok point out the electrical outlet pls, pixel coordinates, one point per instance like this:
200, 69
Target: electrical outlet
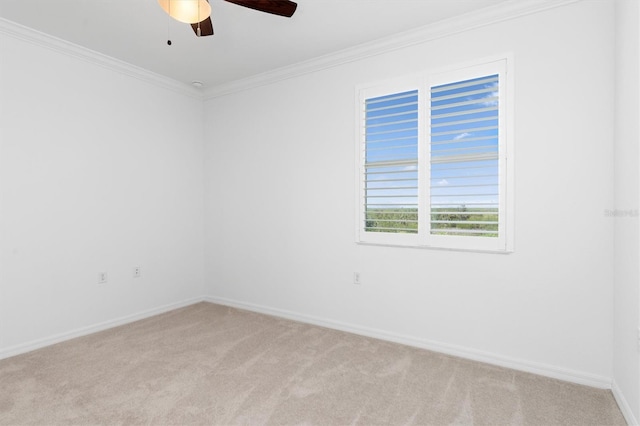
356, 278
136, 272
102, 277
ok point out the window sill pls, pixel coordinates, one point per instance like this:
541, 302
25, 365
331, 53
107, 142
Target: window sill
439, 248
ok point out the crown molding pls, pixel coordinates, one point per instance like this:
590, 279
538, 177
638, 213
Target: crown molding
509, 9
29, 35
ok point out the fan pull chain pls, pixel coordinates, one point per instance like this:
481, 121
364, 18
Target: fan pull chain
169, 26
198, 32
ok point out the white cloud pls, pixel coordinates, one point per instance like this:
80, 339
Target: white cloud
494, 94
462, 135
443, 182
492, 102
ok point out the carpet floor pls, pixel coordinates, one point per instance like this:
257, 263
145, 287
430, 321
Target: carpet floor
210, 364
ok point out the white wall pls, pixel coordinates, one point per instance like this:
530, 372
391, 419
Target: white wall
626, 362
99, 171
280, 205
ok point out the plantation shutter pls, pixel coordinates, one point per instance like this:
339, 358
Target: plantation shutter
464, 158
391, 163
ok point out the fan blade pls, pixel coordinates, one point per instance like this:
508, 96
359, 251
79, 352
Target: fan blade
276, 7
206, 28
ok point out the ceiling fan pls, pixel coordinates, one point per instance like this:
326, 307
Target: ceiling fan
198, 12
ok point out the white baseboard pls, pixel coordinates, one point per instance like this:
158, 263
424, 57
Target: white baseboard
57, 338
624, 405
462, 352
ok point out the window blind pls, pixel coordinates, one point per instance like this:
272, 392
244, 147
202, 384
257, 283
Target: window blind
391, 163
464, 180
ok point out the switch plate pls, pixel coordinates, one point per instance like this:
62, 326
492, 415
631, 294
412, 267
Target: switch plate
136, 272
102, 277
356, 278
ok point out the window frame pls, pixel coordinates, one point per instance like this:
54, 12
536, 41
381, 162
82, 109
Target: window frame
422, 82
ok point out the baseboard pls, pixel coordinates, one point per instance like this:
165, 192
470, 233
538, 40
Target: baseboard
624, 405
559, 373
463, 352
58, 338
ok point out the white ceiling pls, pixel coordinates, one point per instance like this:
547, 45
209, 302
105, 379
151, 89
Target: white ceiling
246, 42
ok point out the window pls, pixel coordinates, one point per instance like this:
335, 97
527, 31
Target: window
434, 170
391, 163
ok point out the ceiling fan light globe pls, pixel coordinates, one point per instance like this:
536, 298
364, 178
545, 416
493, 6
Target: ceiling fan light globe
187, 11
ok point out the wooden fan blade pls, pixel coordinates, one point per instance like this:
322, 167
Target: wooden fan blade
206, 28
276, 7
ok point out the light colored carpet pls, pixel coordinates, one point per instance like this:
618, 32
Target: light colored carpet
209, 364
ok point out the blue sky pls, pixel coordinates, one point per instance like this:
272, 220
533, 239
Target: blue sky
464, 145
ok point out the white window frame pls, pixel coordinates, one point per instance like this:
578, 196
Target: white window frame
504, 243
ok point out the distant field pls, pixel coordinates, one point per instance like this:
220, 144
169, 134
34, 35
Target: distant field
444, 221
